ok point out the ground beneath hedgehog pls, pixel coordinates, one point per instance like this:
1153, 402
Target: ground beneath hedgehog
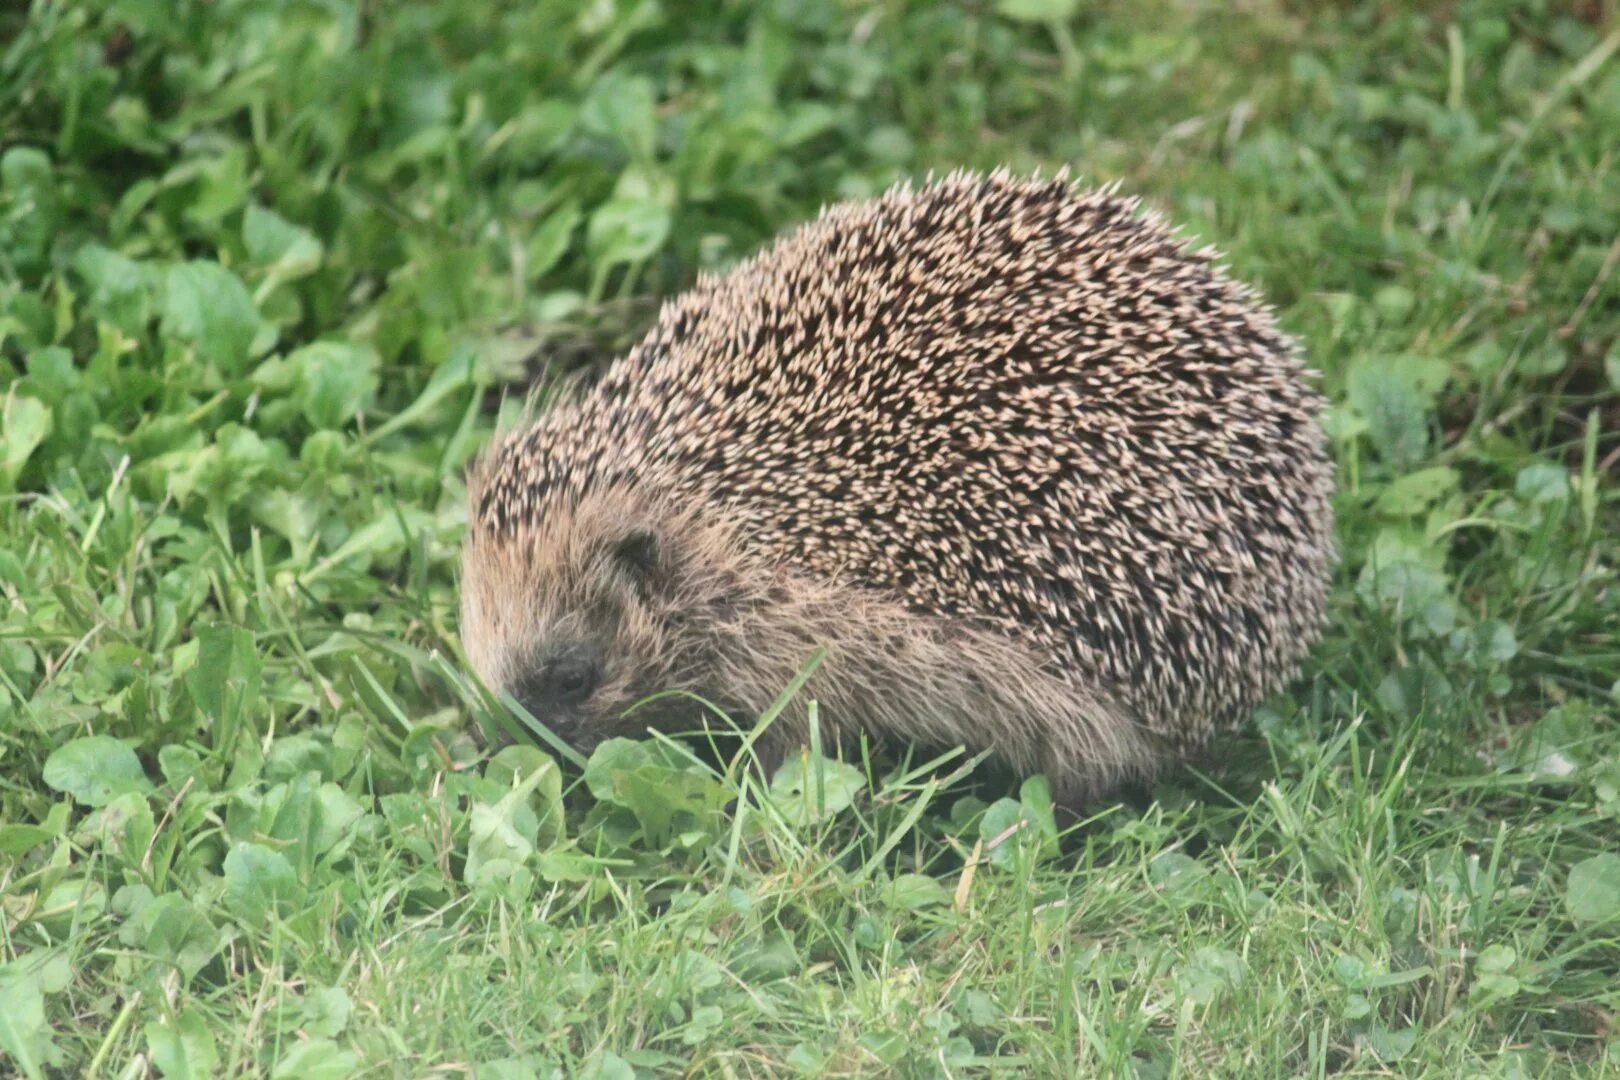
1038, 476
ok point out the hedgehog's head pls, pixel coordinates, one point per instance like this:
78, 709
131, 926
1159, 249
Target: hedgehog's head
591, 605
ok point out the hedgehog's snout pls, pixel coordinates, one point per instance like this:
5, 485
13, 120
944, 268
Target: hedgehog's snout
558, 684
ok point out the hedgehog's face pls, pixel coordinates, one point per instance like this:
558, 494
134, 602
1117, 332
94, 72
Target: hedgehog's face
589, 613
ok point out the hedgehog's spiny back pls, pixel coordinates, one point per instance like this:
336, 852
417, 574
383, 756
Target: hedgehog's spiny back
998, 400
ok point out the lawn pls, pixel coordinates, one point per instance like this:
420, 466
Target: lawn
271, 273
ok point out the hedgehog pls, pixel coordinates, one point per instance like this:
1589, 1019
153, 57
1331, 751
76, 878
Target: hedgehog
1032, 475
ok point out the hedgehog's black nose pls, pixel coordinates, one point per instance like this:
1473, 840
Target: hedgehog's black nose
572, 679
561, 678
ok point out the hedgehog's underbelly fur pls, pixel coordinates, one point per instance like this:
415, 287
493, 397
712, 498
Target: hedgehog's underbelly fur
996, 403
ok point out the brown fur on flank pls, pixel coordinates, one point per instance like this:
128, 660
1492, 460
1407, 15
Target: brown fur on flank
1040, 479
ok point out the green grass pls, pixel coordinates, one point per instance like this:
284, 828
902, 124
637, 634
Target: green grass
265, 271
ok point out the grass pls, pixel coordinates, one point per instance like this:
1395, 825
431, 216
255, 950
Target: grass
266, 272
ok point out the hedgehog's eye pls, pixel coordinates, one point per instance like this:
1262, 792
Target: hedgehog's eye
637, 552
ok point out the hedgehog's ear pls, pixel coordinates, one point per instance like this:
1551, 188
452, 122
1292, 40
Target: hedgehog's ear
637, 553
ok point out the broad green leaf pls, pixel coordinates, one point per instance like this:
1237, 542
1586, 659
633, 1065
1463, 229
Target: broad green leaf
1035, 795
326, 1012
495, 846
73, 901
513, 767
1394, 396
618, 756
623, 107
1542, 483
771, 955
95, 769
1414, 493
804, 122
182, 1047
1038, 11
682, 804
916, 892
1491, 988
175, 931
539, 130
1592, 893
258, 881
667, 794
1497, 641
20, 839
1554, 748
210, 309
120, 288
337, 380
1209, 973
501, 837
22, 1021
1016, 829
288, 251
24, 424
1004, 829
626, 231
125, 825
547, 245
227, 671
25, 1037
221, 185
1390, 1044
316, 1059
524, 1067
339, 811
30, 206
806, 1060
179, 764
377, 539
606, 1065
809, 789
1404, 574
978, 1008
1176, 873
291, 756
1496, 959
